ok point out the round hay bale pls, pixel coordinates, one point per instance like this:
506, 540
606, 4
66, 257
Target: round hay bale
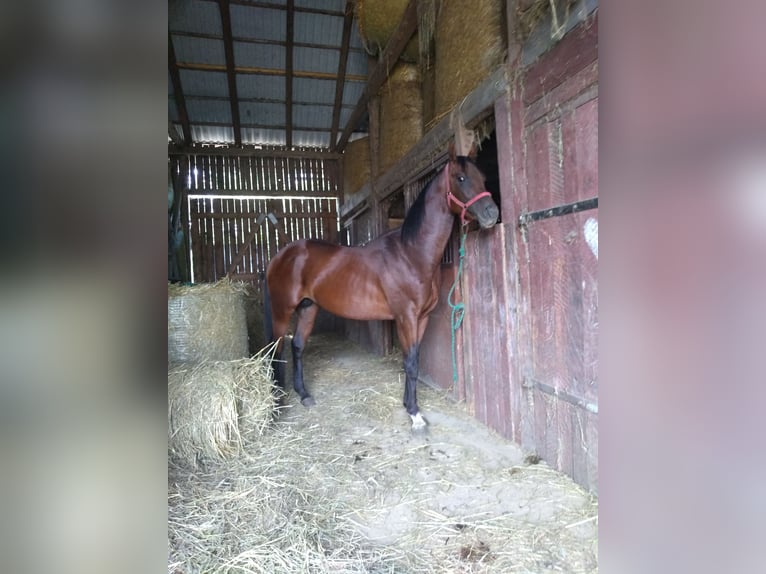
401, 114
356, 165
214, 407
377, 21
467, 49
206, 322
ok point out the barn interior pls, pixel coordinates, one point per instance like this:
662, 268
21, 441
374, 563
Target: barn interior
324, 119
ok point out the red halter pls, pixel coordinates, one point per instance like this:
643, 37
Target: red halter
464, 206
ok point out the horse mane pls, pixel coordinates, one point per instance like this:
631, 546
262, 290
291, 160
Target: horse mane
414, 218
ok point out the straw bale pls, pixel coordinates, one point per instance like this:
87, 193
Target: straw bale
378, 20
214, 406
401, 114
356, 165
467, 49
206, 322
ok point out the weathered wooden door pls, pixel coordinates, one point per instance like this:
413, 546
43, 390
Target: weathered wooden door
531, 290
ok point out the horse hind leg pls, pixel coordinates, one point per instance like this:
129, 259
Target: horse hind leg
306, 316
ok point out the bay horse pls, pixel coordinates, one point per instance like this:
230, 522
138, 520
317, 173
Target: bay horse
393, 277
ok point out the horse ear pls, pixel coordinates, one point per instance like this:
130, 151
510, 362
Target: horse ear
452, 150
474, 150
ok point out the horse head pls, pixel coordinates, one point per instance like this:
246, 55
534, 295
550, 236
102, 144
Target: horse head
466, 194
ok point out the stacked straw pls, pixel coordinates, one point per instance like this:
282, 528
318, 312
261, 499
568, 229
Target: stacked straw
378, 20
356, 165
206, 322
217, 397
467, 49
401, 114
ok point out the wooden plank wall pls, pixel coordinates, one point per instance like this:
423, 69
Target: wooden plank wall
228, 196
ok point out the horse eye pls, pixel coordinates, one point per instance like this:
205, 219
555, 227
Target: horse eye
460, 178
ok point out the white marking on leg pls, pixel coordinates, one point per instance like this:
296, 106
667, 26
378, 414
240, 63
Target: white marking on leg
418, 422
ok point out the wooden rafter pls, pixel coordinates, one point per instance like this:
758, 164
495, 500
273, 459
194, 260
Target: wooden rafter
230, 69
348, 21
290, 32
396, 44
249, 152
266, 71
178, 93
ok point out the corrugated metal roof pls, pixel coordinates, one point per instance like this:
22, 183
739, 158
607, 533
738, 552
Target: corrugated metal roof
212, 134
352, 91
259, 42
316, 60
260, 136
262, 113
258, 23
311, 139
260, 86
312, 116
247, 54
203, 111
314, 90
195, 16
198, 83
199, 50
337, 5
318, 28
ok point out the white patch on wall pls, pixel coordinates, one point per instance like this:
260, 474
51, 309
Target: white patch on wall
590, 229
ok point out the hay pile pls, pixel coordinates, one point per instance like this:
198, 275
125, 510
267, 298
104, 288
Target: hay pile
356, 165
344, 487
377, 21
215, 406
206, 322
469, 44
401, 114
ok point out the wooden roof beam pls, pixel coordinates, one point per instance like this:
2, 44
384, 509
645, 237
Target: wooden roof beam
396, 44
341, 81
178, 93
231, 75
290, 33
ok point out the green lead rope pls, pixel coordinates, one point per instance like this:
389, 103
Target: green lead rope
458, 308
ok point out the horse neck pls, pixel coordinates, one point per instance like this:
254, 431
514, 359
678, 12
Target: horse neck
436, 229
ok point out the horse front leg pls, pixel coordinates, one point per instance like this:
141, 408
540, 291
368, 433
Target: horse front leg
408, 337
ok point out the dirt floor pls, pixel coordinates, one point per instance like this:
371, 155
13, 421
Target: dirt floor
457, 498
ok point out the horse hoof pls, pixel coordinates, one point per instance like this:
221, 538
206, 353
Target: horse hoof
308, 402
419, 424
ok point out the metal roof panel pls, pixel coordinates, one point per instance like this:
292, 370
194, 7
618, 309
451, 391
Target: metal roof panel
261, 86
258, 23
311, 139
314, 90
199, 83
315, 60
212, 134
320, 29
260, 113
252, 55
208, 110
262, 136
312, 116
337, 5
199, 50
352, 91
195, 16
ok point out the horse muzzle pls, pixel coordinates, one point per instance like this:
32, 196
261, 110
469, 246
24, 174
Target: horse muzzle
486, 215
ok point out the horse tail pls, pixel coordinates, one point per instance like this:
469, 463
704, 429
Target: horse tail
268, 322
